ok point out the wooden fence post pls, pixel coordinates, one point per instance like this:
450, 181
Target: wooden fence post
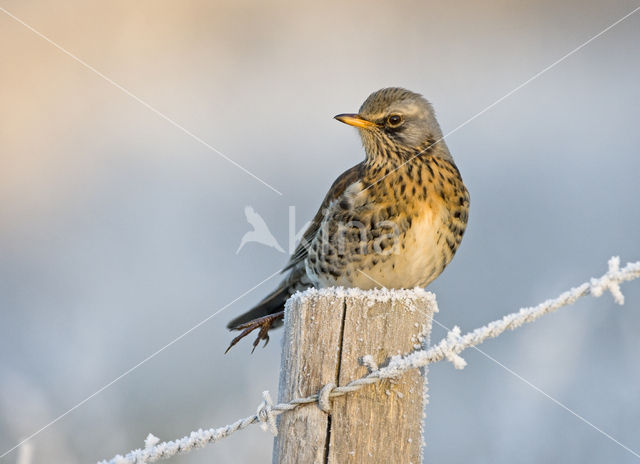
326, 334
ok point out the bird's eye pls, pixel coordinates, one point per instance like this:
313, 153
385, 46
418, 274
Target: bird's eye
394, 120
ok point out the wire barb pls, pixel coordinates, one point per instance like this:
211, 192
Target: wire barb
610, 281
266, 415
324, 397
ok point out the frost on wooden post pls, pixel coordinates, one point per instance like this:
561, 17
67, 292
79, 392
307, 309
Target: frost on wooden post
335, 337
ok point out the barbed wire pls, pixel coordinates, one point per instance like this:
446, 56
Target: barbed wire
449, 349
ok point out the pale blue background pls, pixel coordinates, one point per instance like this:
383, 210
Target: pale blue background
118, 232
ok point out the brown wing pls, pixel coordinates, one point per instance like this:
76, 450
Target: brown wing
337, 188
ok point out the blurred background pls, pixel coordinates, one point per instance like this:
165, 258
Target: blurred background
118, 232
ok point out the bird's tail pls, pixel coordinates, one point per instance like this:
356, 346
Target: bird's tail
273, 303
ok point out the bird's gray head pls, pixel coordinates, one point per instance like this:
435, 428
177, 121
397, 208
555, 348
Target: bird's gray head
395, 119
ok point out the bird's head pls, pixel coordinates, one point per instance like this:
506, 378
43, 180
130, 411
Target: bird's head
395, 122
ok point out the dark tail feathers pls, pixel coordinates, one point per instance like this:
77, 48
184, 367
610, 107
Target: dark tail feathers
273, 303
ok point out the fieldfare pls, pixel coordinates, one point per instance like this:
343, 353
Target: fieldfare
394, 220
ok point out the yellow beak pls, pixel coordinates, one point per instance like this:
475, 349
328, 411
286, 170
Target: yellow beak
355, 120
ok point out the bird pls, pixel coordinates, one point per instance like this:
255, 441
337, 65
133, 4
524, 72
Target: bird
260, 233
394, 220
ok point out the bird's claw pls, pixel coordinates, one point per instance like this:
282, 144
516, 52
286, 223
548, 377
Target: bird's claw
263, 323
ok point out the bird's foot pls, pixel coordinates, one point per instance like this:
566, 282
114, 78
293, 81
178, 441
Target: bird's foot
263, 323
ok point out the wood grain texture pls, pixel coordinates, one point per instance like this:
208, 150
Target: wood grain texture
327, 333
381, 423
310, 357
